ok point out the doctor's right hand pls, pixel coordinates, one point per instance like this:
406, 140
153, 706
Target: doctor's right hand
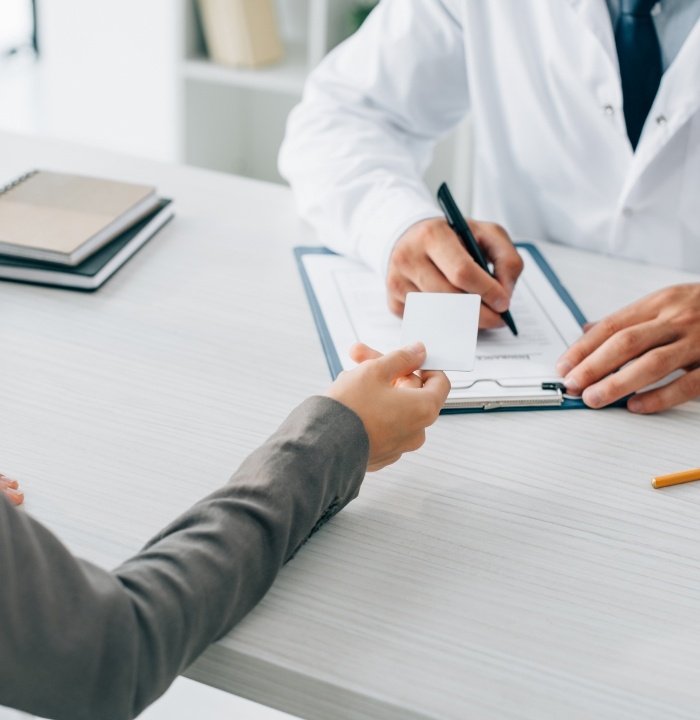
429, 257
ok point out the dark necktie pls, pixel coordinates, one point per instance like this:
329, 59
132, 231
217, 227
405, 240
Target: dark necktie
640, 62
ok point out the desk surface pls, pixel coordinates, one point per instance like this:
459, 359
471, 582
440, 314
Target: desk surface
519, 565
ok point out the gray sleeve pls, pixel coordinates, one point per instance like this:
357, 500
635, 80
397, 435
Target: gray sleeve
80, 642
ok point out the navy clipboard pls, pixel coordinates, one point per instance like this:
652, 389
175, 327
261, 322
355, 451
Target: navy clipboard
549, 396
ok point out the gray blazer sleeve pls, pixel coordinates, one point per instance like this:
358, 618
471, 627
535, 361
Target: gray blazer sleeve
78, 642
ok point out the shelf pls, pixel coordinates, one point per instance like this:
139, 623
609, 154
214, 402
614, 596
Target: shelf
234, 119
286, 77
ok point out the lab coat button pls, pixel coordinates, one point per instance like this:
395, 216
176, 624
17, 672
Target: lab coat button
661, 120
627, 212
608, 109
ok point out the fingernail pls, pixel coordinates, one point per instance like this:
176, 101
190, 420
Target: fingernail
634, 404
564, 367
572, 385
417, 348
500, 305
14, 496
592, 397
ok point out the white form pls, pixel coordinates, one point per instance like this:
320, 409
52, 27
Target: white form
509, 370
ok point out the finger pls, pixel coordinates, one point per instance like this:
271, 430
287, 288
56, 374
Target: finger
499, 249
427, 277
488, 319
360, 352
409, 381
436, 385
6, 482
648, 369
400, 363
397, 289
635, 314
679, 391
627, 344
452, 259
14, 496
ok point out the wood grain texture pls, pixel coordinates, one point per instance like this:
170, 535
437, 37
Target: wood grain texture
518, 566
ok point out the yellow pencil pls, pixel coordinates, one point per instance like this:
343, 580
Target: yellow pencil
676, 478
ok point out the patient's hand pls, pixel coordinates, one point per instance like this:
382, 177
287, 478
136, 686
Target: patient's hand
395, 400
9, 488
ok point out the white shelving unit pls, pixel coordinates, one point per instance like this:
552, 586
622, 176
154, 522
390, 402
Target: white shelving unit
233, 119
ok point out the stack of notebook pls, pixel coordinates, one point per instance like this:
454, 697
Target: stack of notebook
74, 231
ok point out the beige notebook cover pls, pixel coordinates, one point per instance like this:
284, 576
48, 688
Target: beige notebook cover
61, 218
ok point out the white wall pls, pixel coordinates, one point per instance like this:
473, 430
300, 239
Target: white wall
15, 28
107, 73
108, 77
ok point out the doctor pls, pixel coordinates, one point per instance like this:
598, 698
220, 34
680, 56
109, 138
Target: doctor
586, 117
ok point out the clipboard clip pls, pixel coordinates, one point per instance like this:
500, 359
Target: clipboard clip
554, 386
545, 394
552, 401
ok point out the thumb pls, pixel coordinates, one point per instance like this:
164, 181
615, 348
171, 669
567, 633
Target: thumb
400, 363
360, 352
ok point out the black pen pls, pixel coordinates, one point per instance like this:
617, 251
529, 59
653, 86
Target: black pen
461, 229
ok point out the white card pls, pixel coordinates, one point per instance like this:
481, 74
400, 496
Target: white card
447, 324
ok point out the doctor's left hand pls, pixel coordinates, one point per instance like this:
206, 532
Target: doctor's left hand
660, 333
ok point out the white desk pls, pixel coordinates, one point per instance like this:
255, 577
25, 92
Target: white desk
518, 566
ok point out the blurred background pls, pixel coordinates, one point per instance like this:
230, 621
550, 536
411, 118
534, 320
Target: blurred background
138, 77
141, 78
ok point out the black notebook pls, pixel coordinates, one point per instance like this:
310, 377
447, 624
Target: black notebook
101, 265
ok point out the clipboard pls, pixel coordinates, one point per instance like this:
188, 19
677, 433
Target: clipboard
348, 304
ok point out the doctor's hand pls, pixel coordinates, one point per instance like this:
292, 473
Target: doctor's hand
394, 401
660, 333
429, 257
10, 489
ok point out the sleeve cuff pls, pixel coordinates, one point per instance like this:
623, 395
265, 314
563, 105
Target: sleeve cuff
388, 221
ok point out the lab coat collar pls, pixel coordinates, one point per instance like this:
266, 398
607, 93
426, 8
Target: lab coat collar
596, 16
676, 102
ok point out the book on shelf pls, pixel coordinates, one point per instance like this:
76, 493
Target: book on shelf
63, 219
96, 269
241, 32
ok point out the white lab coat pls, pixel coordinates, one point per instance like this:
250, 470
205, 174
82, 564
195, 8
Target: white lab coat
551, 155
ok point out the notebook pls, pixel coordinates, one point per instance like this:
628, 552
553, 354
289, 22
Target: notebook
348, 302
101, 265
61, 218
